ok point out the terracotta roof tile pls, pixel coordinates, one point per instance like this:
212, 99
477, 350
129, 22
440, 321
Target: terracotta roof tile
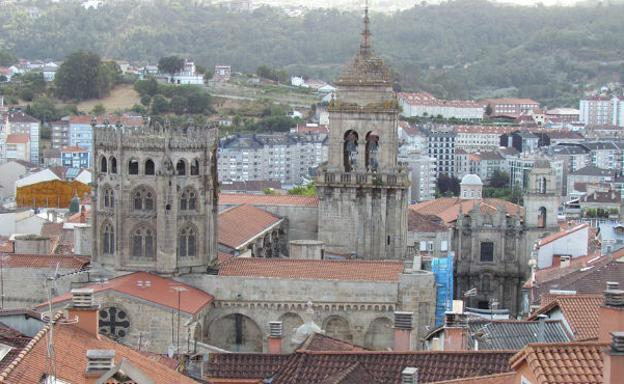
565, 363
71, 345
17, 138
13, 339
159, 291
447, 208
313, 269
44, 261
500, 378
240, 198
417, 222
321, 342
384, 367
579, 311
239, 225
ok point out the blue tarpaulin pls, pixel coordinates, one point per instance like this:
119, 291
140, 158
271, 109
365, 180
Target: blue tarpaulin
442, 268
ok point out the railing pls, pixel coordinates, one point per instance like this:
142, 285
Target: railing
365, 179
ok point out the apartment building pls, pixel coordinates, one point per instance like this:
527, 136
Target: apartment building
441, 146
596, 111
511, 106
19, 123
285, 157
424, 104
478, 138
423, 172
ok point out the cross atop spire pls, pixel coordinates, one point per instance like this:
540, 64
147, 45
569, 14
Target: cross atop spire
365, 44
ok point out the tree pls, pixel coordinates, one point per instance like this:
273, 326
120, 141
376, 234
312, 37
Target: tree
98, 109
82, 76
44, 109
147, 87
160, 105
199, 101
170, 64
499, 179
448, 185
7, 59
3, 79
146, 100
488, 110
178, 104
303, 190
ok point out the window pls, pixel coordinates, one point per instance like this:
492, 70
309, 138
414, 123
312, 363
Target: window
423, 246
143, 243
444, 246
113, 163
541, 218
150, 169
103, 165
133, 167
188, 200
181, 168
143, 199
487, 251
108, 239
109, 201
195, 167
187, 242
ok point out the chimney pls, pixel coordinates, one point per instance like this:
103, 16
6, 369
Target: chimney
99, 361
611, 313
83, 215
454, 332
613, 366
83, 308
409, 375
402, 331
275, 336
541, 328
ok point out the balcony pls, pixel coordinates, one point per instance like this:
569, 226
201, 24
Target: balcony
364, 179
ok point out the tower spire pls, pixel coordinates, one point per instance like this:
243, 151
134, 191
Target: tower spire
365, 44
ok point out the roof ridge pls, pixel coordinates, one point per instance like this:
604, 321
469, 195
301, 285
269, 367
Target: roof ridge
29, 346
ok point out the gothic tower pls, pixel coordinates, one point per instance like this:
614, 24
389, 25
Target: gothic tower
155, 198
362, 188
541, 200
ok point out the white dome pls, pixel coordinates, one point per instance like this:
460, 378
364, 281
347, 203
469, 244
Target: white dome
471, 179
305, 330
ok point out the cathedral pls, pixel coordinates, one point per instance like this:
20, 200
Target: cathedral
362, 189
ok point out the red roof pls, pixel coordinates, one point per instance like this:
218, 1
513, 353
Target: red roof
500, 378
44, 261
448, 208
73, 149
313, 269
18, 138
579, 311
564, 363
239, 225
71, 346
160, 291
561, 234
241, 198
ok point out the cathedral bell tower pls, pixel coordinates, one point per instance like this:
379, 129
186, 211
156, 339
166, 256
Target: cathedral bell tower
362, 188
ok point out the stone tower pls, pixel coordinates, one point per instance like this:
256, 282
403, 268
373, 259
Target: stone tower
362, 188
541, 200
155, 198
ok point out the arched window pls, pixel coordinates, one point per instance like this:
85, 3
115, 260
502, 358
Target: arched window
150, 169
143, 199
108, 239
143, 243
195, 167
188, 200
541, 218
350, 150
181, 168
103, 165
372, 151
109, 200
187, 242
133, 167
113, 164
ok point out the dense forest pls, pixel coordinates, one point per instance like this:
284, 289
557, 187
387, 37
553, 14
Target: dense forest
459, 49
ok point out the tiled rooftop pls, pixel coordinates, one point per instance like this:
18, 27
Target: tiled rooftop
152, 288
447, 208
71, 345
313, 269
579, 311
513, 334
500, 378
565, 363
320, 342
240, 224
561, 234
417, 222
44, 261
384, 367
239, 198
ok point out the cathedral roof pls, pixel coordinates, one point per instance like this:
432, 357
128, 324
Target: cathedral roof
267, 200
448, 208
152, 288
241, 224
350, 270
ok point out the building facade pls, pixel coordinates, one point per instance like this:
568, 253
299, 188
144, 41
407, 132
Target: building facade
75, 157
601, 111
284, 157
23, 124
363, 190
155, 198
441, 146
424, 104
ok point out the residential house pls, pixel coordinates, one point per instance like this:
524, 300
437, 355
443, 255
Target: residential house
425, 104
561, 247
611, 237
523, 141
21, 123
75, 157
580, 178
18, 146
187, 76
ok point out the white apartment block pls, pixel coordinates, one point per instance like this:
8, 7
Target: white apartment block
423, 172
282, 157
596, 111
479, 138
424, 104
